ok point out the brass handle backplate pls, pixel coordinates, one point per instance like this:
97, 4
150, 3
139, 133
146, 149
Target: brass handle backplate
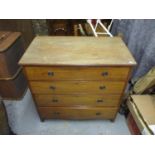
99, 101
98, 113
104, 73
52, 87
56, 113
50, 73
102, 87
54, 100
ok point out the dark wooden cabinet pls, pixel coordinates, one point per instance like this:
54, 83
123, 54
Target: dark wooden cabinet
4, 126
60, 27
12, 81
63, 27
19, 25
11, 49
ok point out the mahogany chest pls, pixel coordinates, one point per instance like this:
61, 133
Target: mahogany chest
77, 77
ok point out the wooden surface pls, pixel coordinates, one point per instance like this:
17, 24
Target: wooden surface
11, 50
77, 77
12, 81
13, 89
7, 39
77, 73
77, 113
4, 125
77, 87
71, 51
19, 25
77, 100
59, 27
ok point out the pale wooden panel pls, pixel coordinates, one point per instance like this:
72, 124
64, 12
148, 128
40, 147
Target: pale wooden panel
77, 100
46, 50
77, 113
76, 87
77, 73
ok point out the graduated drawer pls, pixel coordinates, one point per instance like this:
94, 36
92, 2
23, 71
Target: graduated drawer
77, 87
77, 73
77, 113
77, 100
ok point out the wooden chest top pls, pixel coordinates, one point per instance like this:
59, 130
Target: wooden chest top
78, 51
7, 39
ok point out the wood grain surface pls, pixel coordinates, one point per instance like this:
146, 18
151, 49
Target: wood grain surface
7, 39
77, 100
77, 73
77, 113
77, 87
89, 51
77, 77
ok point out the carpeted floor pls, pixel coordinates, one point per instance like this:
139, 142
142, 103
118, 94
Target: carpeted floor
23, 119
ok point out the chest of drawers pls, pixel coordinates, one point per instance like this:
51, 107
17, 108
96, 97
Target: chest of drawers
77, 77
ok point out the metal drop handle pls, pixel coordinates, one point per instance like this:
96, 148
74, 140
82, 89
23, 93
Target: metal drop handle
50, 73
104, 74
52, 87
102, 87
98, 113
56, 113
54, 100
99, 101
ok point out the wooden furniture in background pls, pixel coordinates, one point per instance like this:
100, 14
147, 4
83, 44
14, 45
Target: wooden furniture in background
4, 125
19, 25
64, 27
11, 49
12, 81
77, 77
59, 27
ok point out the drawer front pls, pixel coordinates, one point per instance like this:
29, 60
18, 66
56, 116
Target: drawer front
77, 100
77, 113
77, 73
77, 87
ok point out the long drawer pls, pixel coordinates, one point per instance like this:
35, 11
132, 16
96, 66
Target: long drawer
77, 100
77, 87
77, 73
77, 113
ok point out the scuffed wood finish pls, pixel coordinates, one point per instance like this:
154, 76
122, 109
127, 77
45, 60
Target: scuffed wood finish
77, 73
19, 25
13, 89
77, 87
7, 39
77, 100
77, 113
11, 50
75, 51
77, 77
12, 81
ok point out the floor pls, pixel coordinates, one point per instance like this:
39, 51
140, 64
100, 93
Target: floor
23, 119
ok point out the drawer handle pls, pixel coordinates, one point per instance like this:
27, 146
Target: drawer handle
99, 101
54, 100
104, 73
102, 87
50, 73
52, 87
56, 113
98, 113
